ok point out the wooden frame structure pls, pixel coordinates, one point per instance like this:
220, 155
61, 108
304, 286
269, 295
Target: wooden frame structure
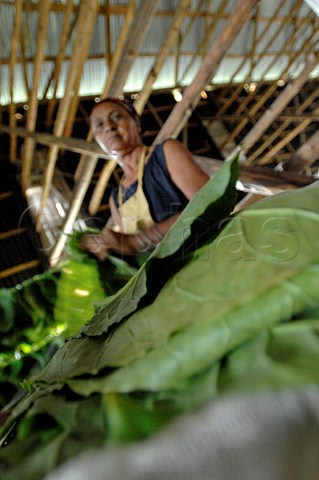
273, 120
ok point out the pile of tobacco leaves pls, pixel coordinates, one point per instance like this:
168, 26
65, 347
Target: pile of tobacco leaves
226, 303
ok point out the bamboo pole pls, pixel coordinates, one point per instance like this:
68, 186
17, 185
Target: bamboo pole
120, 67
13, 61
271, 138
116, 59
139, 28
260, 37
307, 154
171, 37
28, 148
265, 179
211, 26
24, 38
67, 28
268, 93
77, 145
278, 105
182, 110
288, 138
86, 19
76, 203
102, 182
19, 268
257, 105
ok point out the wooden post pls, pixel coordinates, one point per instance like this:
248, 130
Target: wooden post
44, 9
102, 182
182, 110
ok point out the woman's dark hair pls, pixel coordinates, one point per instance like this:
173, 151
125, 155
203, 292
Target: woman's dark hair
122, 103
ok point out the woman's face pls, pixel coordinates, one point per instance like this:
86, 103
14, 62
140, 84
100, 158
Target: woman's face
114, 129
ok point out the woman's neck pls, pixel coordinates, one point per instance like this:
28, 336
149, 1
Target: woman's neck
130, 163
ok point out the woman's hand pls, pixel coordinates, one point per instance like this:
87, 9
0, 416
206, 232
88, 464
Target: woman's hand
108, 240
140, 242
96, 244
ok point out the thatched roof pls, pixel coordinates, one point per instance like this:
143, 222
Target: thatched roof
247, 71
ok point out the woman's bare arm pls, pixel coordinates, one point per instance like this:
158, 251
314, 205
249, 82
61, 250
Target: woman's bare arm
184, 171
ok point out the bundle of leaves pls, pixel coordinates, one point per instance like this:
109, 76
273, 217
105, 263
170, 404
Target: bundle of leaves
39, 314
225, 303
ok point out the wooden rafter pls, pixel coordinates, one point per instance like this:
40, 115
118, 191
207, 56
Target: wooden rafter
278, 105
280, 131
183, 109
211, 26
165, 49
268, 94
67, 28
44, 8
264, 179
263, 99
13, 59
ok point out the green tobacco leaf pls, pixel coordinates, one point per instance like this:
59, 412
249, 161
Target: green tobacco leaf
131, 418
251, 257
53, 430
78, 289
201, 219
7, 310
287, 355
195, 348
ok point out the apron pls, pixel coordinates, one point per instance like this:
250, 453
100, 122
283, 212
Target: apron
135, 212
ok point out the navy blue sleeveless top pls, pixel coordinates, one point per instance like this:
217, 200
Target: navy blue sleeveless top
163, 196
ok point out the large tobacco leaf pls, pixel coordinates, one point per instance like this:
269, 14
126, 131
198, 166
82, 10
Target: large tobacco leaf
188, 352
259, 251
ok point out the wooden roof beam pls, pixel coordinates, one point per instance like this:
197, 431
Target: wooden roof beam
182, 110
140, 25
260, 37
171, 37
254, 178
211, 25
267, 94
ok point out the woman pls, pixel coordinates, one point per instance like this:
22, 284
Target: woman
157, 182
